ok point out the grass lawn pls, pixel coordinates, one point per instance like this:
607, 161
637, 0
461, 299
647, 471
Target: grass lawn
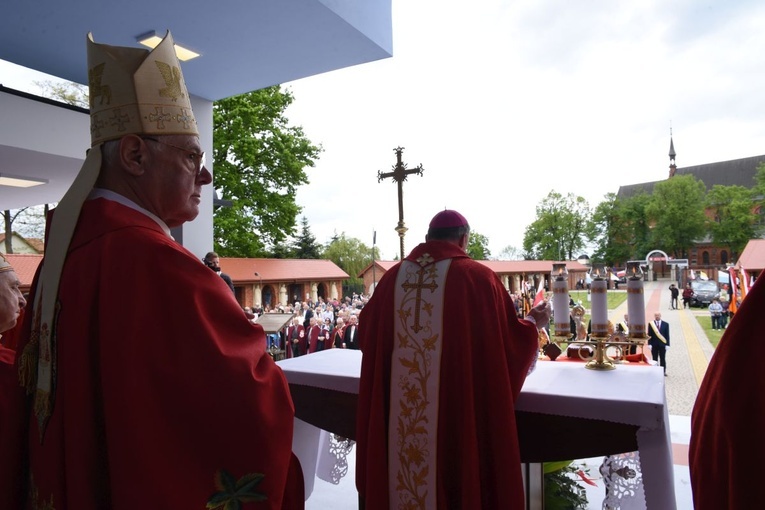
614, 299
705, 321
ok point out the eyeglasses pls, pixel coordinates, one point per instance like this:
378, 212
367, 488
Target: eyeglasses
197, 158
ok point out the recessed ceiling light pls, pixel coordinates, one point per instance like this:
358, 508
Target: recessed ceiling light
151, 40
20, 182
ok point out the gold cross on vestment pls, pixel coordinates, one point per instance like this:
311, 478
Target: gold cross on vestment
418, 298
399, 174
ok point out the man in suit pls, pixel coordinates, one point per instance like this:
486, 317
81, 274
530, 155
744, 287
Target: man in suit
658, 339
307, 314
212, 261
350, 338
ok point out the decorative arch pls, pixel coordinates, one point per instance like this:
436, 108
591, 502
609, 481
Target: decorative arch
648, 257
267, 296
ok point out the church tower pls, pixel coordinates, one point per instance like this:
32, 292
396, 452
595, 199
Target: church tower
672, 166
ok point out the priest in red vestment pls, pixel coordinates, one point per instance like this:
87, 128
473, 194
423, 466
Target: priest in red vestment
444, 359
726, 448
312, 332
296, 340
148, 387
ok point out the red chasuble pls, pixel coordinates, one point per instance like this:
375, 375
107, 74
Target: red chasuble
726, 448
441, 304
164, 397
313, 338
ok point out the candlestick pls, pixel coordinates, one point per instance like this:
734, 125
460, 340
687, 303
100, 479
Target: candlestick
599, 302
561, 300
635, 301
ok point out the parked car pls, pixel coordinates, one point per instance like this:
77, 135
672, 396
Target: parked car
704, 291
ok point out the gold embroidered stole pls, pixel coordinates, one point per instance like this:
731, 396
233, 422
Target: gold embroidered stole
415, 380
658, 333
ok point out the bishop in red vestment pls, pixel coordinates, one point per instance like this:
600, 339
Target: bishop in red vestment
148, 387
726, 448
444, 359
12, 304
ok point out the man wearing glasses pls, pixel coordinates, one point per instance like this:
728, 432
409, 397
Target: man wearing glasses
147, 383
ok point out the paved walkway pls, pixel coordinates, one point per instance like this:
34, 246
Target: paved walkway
689, 352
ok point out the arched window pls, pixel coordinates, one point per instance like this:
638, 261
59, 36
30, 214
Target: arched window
705, 258
723, 257
268, 296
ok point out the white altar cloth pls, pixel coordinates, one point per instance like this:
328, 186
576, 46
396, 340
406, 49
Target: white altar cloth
631, 394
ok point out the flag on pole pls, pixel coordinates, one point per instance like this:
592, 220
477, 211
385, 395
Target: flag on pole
540, 293
733, 306
525, 298
744, 284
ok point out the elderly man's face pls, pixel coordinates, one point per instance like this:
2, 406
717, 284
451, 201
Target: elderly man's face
174, 182
11, 300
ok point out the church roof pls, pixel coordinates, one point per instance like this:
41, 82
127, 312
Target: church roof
242, 270
736, 172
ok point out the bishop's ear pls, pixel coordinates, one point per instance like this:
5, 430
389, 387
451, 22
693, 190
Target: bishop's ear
133, 154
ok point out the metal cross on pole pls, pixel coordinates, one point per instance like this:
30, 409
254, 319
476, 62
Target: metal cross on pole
399, 174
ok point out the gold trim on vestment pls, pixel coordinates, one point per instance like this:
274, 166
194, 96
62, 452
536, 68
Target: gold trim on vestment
415, 381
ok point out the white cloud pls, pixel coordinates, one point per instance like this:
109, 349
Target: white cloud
502, 102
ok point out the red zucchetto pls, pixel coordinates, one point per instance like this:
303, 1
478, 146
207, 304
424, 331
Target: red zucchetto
448, 219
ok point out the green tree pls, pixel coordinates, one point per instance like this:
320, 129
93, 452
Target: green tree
351, 255
259, 164
478, 246
635, 211
676, 210
66, 92
733, 217
305, 245
560, 230
610, 232
758, 196
510, 252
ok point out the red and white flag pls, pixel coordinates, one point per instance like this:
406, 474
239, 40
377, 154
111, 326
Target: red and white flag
540, 293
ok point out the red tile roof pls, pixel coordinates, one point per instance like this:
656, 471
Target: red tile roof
243, 270
383, 265
531, 266
504, 266
25, 266
753, 256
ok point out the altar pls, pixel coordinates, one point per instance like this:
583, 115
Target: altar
564, 412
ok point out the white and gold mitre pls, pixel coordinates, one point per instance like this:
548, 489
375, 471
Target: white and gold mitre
137, 91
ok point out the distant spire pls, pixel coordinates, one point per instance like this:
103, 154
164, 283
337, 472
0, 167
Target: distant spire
672, 154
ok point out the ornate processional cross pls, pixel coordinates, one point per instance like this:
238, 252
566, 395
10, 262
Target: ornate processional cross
399, 174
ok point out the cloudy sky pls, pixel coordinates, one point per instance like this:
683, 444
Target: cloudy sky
503, 101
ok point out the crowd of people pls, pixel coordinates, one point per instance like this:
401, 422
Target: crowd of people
315, 326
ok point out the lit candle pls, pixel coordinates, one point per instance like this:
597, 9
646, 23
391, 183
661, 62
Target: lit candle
599, 302
635, 300
561, 300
